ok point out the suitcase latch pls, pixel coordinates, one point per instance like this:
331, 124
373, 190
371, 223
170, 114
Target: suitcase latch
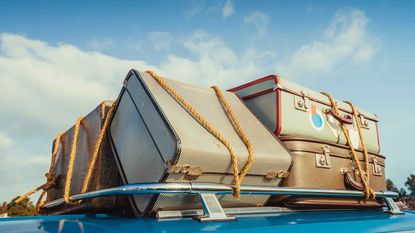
190, 172
377, 169
363, 121
276, 174
302, 103
323, 160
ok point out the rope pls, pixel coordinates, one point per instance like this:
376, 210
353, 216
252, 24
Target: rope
359, 129
95, 155
66, 195
51, 179
237, 177
369, 193
239, 130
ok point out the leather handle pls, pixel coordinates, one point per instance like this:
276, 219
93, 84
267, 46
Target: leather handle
349, 180
343, 120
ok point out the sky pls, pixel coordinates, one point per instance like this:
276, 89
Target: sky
60, 59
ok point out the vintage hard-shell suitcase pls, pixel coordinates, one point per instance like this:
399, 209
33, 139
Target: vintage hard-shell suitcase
152, 135
324, 165
290, 109
105, 174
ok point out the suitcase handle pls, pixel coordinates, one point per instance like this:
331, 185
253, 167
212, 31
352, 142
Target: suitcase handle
349, 180
341, 119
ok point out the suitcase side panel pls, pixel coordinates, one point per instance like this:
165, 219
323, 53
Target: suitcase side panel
306, 173
299, 122
141, 139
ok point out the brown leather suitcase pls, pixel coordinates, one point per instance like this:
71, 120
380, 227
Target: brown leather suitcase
105, 174
324, 165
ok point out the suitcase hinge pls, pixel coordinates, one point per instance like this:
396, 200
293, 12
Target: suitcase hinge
277, 174
190, 172
377, 169
323, 160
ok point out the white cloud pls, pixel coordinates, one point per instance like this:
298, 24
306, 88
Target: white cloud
216, 63
345, 39
100, 44
228, 9
160, 40
258, 20
58, 81
45, 87
5, 142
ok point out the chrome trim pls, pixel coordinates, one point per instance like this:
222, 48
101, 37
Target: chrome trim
218, 189
169, 214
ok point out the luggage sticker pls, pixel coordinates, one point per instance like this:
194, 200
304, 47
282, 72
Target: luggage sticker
316, 118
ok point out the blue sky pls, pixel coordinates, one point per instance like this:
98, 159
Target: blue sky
59, 59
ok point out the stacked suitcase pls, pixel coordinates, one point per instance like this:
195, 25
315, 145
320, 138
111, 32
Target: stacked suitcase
304, 121
152, 136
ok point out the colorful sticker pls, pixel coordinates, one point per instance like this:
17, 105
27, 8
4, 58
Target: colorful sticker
316, 118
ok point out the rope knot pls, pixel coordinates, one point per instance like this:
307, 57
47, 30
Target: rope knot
51, 182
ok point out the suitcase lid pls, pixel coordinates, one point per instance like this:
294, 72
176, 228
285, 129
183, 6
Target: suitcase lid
273, 83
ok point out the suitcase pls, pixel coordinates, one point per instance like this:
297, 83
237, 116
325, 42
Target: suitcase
105, 174
155, 139
290, 109
324, 165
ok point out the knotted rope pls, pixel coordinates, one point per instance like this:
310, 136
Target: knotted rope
51, 179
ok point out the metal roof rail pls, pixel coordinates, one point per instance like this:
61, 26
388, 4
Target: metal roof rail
212, 210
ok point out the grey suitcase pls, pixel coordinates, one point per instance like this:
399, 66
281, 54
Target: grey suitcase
152, 135
290, 109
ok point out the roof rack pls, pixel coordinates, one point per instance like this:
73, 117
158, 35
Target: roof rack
212, 210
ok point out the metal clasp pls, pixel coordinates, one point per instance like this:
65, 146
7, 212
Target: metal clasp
363, 121
277, 174
191, 172
323, 160
377, 169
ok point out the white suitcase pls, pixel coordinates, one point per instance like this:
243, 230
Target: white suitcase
289, 109
152, 135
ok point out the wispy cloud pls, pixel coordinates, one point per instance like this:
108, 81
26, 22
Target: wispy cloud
258, 20
228, 9
100, 44
216, 62
345, 40
160, 40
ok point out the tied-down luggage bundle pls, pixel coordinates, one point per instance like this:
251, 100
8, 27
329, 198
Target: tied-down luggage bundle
332, 142
161, 130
